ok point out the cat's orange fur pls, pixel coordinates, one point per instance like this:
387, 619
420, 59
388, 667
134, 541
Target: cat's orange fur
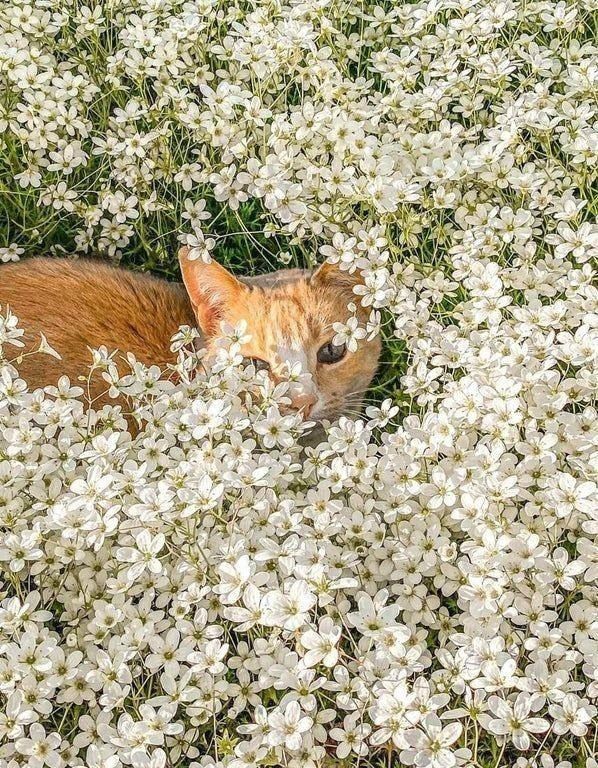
81, 305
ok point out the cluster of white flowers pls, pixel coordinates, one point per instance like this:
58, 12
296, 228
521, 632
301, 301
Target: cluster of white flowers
418, 589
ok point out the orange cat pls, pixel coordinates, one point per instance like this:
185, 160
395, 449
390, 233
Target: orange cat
80, 305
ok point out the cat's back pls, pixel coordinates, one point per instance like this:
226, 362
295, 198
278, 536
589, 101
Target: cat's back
83, 304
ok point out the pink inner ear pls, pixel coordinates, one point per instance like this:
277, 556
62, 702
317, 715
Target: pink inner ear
208, 313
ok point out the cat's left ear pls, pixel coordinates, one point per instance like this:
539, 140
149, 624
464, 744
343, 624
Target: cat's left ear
332, 276
211, 288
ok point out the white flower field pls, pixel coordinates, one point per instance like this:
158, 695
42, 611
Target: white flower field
419, 588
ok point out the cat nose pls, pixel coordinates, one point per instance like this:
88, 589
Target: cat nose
304, 403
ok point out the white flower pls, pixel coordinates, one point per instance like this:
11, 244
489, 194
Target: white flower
321, 645
40, 748
349, 333
513, 720
289, 609
276, 429
143, 555
15, 717
287, 727
430, 743
11, 252
572, 715
374, 615
351, 737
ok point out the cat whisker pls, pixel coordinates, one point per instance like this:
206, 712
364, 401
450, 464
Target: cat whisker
357, 393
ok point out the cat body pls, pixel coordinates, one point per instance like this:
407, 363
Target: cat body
82, 305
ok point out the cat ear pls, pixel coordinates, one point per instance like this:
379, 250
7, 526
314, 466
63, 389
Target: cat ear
211, 289
332, 276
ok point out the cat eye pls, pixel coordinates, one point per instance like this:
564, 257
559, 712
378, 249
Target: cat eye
331, 353
258, 363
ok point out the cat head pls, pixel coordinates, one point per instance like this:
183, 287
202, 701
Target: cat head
289, 316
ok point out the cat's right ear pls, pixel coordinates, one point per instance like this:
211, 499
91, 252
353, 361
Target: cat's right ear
211, 289
329, 275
